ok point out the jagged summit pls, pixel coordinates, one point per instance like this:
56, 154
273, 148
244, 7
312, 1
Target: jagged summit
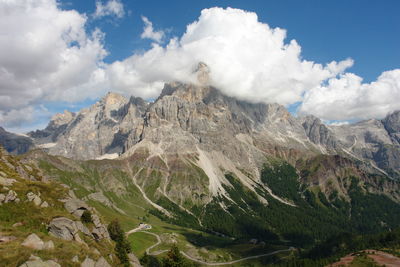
203, 74
198, 125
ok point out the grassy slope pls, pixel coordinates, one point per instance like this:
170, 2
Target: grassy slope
313, 211
35, 219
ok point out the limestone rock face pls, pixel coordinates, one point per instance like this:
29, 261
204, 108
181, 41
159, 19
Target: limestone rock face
197, 120
57, 125
99, 130
392, 125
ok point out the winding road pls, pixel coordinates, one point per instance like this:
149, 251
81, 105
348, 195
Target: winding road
155, 253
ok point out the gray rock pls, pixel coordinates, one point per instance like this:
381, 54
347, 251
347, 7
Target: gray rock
11, 196
96, 220
134, 260
2, 198
63, 228
40, 263
5, 239
17, 224
75, 259
88, 262
101, 262
34, 197
81, 227
33, 242
75, 206
48, 245
6, 181
44, 204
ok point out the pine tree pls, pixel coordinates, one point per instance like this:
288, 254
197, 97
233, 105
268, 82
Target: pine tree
122, 246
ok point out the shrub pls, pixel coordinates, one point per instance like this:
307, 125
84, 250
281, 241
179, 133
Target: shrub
86, 217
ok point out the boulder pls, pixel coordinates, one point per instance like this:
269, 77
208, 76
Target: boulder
63, 228
2, 198
35, 198
88, 262
44, 204
11, 196
48, 245
75, 206
40, 263
5, 239
34, 242
75, 259
102, 263
6, 181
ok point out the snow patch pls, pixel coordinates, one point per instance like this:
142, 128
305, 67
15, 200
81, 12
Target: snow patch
47, 145
108, 156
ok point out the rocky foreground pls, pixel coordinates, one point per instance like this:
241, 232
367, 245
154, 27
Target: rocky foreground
41, 222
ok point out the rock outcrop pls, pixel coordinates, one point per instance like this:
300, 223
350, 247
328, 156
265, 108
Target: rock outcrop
34, 242
35, 261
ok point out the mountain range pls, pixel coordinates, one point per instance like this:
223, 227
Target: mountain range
201, 159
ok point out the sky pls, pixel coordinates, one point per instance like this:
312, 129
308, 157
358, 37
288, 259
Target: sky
338, 60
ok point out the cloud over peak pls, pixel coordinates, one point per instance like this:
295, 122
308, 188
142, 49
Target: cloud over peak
247, 59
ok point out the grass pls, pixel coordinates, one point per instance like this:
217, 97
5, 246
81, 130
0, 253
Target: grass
117, 186
36, 219
140, 242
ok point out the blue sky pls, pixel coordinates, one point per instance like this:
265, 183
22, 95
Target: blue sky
367, 32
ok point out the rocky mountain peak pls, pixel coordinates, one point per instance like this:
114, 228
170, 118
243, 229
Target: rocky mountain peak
203, 73
62, 118
392, 125
112, 99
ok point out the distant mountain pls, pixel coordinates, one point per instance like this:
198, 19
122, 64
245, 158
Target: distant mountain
14, 143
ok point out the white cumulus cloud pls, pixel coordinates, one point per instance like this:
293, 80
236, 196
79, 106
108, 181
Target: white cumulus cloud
346, 97
111, 8
248, 59
46, 55
149, 33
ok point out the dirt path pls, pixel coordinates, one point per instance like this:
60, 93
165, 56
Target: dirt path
383, 258
234, 261
155, 253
